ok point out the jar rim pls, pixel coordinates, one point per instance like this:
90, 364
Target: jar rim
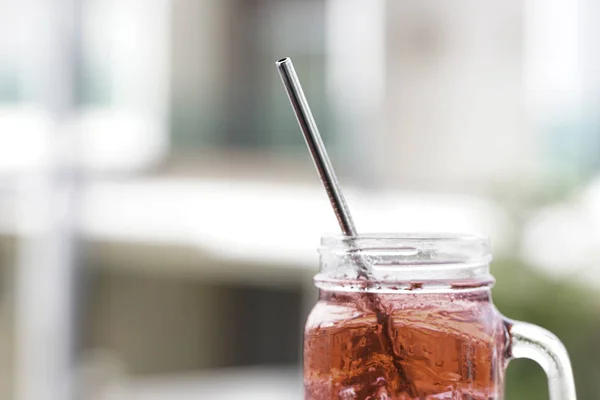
395, 258
394, 239
449, 247
469, 236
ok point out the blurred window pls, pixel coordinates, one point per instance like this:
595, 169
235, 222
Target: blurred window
9, 84
238, 102
9, 47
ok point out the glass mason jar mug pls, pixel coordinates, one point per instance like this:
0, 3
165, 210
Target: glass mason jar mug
423, 326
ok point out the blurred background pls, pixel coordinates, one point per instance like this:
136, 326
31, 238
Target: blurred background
159, 213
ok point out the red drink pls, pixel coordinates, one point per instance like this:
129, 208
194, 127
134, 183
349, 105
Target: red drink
448, 346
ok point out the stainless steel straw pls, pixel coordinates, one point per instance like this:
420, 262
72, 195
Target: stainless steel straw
318, 152
325, 169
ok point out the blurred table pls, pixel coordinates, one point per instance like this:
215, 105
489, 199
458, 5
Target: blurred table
266, 232
227, 384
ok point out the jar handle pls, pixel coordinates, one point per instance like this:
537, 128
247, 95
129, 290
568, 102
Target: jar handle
542, 346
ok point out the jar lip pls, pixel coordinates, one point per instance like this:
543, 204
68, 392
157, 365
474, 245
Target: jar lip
395, 258
402, 238
411, 248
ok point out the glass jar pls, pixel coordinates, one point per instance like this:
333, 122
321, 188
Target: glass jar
423, 326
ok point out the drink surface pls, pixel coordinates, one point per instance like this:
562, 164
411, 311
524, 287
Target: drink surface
445, 345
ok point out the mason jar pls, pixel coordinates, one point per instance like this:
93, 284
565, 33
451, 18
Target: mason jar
410, 316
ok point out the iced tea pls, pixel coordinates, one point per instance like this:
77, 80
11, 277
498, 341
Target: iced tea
445, 346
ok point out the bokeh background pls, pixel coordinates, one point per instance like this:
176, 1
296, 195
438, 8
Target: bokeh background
159, 213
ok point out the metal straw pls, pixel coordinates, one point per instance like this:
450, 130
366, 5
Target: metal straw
332, 187
318, 152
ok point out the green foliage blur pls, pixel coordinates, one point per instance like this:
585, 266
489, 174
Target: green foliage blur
566, 308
